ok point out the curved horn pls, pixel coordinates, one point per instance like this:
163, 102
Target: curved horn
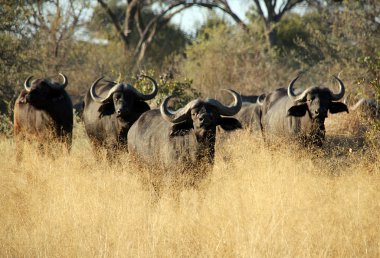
341, 92
227, 110
142, 96
27, 83
175, 116
291, 93
294, 96
98, 99
60, 86
65, 81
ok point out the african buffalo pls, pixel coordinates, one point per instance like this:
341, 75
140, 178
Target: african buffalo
43, 111
301, 115
251, 98
78, 105
107, 119
250, 113
183, 140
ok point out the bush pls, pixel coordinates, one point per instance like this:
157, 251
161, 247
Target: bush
225, 57
6, 123
181, 90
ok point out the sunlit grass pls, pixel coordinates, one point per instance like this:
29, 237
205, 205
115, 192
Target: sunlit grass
260, 200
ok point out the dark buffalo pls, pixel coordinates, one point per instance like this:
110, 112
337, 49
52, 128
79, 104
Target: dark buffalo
78, 109
44, 112
302, 115
183, 140
78, 105
251, 98
107, 119
250, 113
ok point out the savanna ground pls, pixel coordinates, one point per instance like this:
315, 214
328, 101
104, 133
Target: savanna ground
261, 200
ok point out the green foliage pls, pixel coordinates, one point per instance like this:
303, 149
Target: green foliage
169, 39
322, 42
100, 25
6, 123
13, 46
11, 16
181, 90
298, 41
335, 39
226, 57
213, 21
373, 76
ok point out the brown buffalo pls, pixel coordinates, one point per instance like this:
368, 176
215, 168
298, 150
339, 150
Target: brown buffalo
43, 111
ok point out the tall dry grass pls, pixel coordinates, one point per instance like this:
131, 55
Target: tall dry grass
260, 201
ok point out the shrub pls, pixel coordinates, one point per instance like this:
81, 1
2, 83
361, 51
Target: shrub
181, 89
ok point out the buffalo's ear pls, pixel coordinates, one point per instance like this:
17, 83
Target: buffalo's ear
22, 97
180, 129
229, 123
336, 107
298, 111
106, 109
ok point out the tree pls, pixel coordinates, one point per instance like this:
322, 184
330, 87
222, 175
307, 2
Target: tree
53, 25
134, 21
11, 45
270, 12
170, 39
147, 29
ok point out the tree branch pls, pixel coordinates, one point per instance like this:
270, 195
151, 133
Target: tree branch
115, 22
130, 14
225, 8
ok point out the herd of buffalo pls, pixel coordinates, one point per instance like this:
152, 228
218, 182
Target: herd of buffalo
117, 117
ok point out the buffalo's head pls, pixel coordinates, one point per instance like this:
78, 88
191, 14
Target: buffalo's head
122, 98
202, 116
316, 102
41, 92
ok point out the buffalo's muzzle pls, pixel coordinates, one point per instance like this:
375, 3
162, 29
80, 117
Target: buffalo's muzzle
204, 121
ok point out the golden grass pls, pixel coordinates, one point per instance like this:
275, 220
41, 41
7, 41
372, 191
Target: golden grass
259, 201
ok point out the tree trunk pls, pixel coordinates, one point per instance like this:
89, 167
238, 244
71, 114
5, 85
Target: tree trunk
272, 37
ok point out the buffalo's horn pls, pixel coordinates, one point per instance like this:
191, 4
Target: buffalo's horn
291, 93
27, 83
175, 116
227, 110
60, 86
98, 99
294, 96
340, 94
142, 96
